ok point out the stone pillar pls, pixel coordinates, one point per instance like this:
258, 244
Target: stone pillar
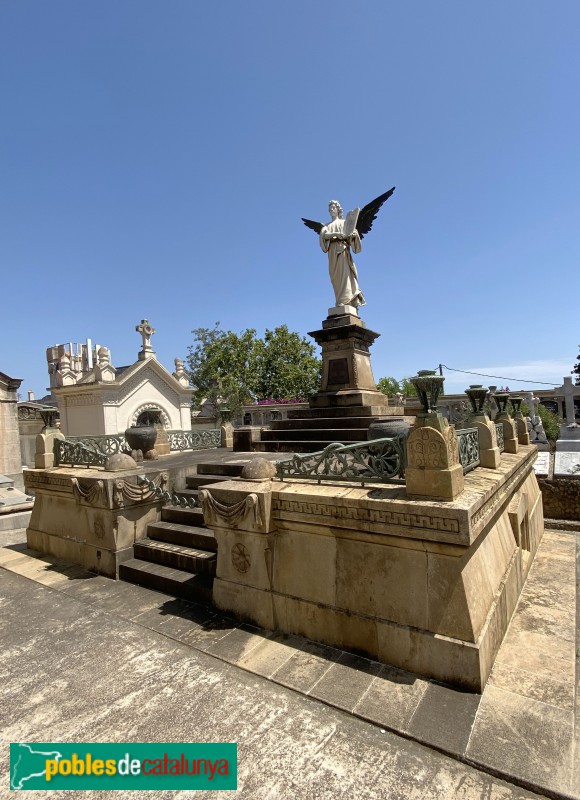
227, 434
510, 437
521, 428
44, 455
10, 459
162, 441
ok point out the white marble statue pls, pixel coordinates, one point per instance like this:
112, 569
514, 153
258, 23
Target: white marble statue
339, 238
341, 267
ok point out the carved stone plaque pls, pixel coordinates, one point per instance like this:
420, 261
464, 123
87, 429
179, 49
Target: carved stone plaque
338, 371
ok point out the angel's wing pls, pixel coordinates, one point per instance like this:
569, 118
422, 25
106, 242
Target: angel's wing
314, 226
369, 213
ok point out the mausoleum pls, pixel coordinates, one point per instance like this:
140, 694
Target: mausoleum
94, 398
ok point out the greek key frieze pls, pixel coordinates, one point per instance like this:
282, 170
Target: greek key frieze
399, 518
48, 480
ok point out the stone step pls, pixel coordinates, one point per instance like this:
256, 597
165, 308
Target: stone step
165, 579
339, 411
324, 422
215, 469
278, 446
326, 435
183, 516
196, 481
177, 556
182, 534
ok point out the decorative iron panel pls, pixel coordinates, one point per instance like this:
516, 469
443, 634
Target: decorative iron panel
108, 445
77, 454
171, 497
194, 440
375, 461
500, 439
468, 445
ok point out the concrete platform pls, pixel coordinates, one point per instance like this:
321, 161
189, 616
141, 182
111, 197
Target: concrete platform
86, 658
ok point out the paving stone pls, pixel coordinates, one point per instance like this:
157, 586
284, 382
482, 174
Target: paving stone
392, 698
204, 635
307, 666
132, 600
346, 681
524, 738
444, 718
545, 688
272, 654
237, 644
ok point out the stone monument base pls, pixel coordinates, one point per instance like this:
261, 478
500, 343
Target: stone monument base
90, 517
426, 586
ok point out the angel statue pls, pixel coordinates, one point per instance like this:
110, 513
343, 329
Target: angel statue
338, 237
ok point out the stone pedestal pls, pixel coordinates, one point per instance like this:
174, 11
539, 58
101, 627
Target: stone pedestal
90, 517
521, 429
510, 437
44, 454
347, 376
433, 468
489, 455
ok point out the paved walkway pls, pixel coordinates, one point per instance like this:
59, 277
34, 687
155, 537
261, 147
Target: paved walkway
85, 658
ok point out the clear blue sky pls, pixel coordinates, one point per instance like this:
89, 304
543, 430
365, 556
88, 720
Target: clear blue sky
156, 159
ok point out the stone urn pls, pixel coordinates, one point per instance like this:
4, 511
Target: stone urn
141, 437
388, 428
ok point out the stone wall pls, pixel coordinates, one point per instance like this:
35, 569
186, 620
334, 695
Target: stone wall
561, 497
10, 461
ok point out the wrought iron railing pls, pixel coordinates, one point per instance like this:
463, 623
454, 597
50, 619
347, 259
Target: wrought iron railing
375, 461
108, 445
172, 497
194, 440
468, 445
500, 439
95, 450
77, 454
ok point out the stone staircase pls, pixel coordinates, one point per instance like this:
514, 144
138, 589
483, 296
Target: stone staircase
312, 429
179, 555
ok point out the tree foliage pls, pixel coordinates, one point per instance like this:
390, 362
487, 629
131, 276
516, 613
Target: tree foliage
243, 368
390, 386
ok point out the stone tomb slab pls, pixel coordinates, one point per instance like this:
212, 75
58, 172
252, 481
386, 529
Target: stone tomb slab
542, 464
567, 463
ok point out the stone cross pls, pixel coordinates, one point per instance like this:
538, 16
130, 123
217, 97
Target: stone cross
146, 330
569, 400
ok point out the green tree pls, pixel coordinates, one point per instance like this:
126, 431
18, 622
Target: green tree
242, 368
407, 388
389, 386
223, 364
286, 366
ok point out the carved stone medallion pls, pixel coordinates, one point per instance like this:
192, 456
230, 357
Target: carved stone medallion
241, 557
